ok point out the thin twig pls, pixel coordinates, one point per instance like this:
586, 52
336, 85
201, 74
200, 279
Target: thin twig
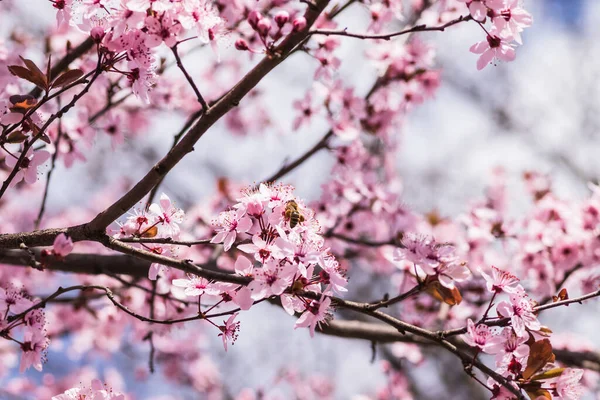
388, 36
562, 281
189, 79
394, 300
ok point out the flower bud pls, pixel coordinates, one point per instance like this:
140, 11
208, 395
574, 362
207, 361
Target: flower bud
253, 18
241, 44
299, 24
97, 33
263, 27
281, 18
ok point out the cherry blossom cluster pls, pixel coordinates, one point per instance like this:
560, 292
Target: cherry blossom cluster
23, 322
159, 221
136, 27
435, 261
556, 242
520, 349
24, 325
508, 19
96, 391
286, 243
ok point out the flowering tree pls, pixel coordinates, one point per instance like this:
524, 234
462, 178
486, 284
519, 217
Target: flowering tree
134, 268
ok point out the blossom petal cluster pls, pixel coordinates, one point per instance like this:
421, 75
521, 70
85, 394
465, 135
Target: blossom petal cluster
507, 21
289, 256
96, 391
433, 259
24, 324
159, 221
516, 344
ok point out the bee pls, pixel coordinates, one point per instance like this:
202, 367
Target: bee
292, 214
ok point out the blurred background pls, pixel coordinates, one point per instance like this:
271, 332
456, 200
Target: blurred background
537, 113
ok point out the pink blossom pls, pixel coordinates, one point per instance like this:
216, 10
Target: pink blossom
243, 298
270, 280
244, 267
493, 47
63, 245
204, 16
477, 8
230, 330
328, 65
261, 249
161, 29
34, 348
63, 15
500, 392
13, 301
509, 18
305, 109
508, 345
231, 223
477, 335
567, 384
195, 286
520, 312
425, 253
333, 275
500, 281
168, 215
156, 270
144, 5
317, 312
96, 391
410, 351
114, 128
344, 129
70, 150
448, 273
142, 80
28, 167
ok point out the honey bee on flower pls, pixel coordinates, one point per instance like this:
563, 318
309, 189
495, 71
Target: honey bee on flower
292, 213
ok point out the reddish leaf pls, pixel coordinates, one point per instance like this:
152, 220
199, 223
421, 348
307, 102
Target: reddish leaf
16, 137
23, 104
26, 74
150, 232
562, 295
540, 354
18, 98
67, 77
438, 291
38, 74
45, 138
